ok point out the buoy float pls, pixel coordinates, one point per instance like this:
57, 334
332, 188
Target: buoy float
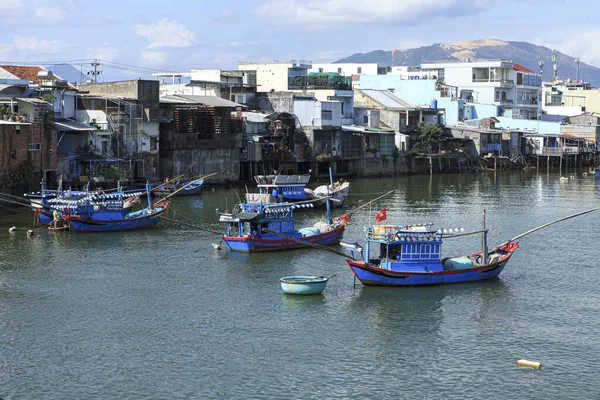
12, 229
216, 246
529, 364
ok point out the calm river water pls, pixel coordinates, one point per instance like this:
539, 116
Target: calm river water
161, 315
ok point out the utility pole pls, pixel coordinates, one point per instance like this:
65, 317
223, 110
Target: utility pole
577, 66
95, 72
554, 65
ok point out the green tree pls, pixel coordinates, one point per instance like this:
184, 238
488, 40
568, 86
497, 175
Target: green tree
429, 133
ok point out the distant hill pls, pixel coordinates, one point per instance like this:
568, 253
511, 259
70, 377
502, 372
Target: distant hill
67, 71
526, 54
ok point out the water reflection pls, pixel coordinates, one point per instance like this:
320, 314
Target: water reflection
294, 301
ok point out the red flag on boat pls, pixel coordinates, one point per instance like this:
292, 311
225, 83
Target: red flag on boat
381, 216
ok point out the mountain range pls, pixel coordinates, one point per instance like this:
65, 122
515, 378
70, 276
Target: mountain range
527, 54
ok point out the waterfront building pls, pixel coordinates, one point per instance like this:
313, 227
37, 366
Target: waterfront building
396, 112
198, 136
421, 93
125, 114
513, 91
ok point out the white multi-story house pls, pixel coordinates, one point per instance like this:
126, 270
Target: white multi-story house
514, 89
349, 69
293, 76
236, 86
278, 76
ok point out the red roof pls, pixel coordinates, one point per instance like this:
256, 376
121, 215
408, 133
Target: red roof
21, 72
520, 68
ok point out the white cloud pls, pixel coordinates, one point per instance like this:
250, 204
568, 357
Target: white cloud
153, 58
105, 52
317, 14
33, 44
165, 33
578, 43
46, 12
10, 5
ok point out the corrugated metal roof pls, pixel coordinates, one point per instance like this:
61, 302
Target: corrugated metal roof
32, 100
387, 98
212, 101
73, 126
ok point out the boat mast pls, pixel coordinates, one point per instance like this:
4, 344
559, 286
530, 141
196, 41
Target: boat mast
484, 246
329, 188
150, 207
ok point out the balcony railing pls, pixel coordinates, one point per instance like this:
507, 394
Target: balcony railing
502, 81
559, 151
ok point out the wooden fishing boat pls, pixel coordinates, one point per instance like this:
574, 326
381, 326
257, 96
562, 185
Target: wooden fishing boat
58, 226
179, 188
337, 192
270, 227
411, 256
304, 284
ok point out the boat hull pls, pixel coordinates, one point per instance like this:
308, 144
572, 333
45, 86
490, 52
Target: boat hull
303, 284
371, 275
58, 229
251, 244
80, 224
339, 195
44, 217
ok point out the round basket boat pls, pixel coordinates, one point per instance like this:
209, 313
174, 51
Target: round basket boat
304, 284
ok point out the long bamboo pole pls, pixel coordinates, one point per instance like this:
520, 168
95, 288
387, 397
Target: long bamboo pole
547, 224
191, 225
188, 184
306, 243
349, 213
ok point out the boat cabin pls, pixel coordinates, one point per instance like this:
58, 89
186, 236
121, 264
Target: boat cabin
410, 248
289, 187
256, 216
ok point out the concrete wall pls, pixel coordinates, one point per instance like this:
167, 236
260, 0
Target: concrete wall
270, 77
193, 163
275, 102
146, 91
543, 127
308, 112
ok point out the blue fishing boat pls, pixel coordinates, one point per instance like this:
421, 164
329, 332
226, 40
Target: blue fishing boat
106, 212
262, 227
412, 256
71, 202
304, 284
111, 220
292, 189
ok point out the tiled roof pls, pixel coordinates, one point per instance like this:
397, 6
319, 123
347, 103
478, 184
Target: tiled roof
520, 68
22, 72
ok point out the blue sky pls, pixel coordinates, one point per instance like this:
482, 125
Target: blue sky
179, 35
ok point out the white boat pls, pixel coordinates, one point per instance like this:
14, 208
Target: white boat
338, 193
